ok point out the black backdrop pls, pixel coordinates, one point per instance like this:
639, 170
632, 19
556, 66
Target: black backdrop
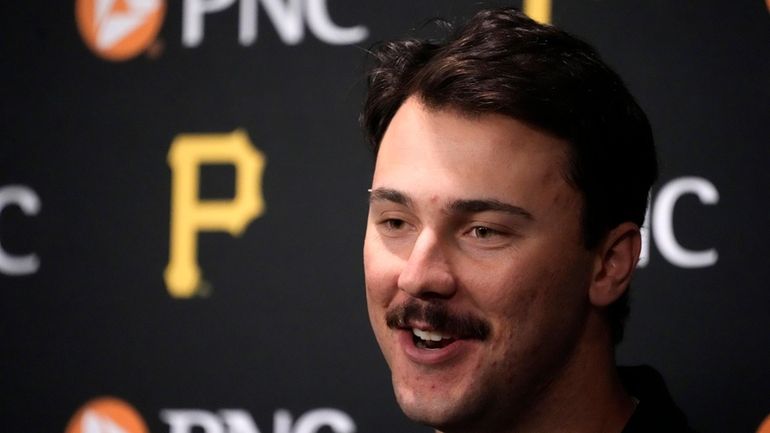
278, 323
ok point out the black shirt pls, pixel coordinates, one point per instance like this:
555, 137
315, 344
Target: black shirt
656, 411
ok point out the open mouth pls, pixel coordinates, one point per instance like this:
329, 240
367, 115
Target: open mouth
430, 339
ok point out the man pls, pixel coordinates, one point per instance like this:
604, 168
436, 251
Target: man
511, 179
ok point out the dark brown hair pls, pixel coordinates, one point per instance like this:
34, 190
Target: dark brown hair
503, 62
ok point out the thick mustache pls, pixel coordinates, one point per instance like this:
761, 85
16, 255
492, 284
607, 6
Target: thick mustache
438, 317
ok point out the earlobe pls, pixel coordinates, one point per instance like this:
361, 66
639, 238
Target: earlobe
616, 261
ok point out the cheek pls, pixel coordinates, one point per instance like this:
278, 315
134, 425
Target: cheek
542, 271
380, 275
533, 298
506, 289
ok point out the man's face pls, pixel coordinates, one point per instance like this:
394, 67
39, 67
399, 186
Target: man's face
476, 277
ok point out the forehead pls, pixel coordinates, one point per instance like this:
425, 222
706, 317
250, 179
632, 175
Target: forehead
445, 153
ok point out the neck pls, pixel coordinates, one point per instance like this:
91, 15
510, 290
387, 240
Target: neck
584, 395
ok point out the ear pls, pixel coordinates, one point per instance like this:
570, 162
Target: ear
615, 263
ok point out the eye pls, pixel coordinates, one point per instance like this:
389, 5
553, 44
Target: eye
482, 232
393, 227
393, 224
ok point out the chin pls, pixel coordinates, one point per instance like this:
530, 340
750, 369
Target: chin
430, 413
439, 410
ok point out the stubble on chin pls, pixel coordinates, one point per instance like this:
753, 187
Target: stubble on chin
441, 410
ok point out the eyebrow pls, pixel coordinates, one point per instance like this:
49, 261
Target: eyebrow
387, 194
458, 206
476, 206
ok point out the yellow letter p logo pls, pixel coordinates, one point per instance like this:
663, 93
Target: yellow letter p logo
538, 10
189, 214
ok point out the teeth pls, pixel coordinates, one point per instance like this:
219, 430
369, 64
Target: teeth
429, 336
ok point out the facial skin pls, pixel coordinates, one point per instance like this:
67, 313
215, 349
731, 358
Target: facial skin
471, 216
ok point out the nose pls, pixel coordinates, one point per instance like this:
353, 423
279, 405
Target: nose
427, 272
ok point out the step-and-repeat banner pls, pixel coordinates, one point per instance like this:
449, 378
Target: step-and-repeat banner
183, 201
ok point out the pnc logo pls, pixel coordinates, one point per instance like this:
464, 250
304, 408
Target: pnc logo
112, 415
765, 426
119, 29
106, 415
